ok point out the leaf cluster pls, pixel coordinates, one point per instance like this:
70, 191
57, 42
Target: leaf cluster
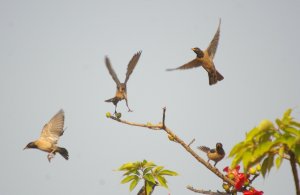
268, 143
152, 174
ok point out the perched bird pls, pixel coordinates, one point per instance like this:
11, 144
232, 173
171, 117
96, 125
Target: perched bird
121, 92
216, 154
49, 137
205, 59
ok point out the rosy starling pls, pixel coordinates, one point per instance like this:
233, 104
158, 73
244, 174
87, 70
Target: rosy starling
205, 59
49, 137
121, 92
216, 154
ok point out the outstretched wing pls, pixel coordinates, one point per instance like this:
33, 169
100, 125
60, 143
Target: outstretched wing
212, 48
192, 64
132, 64
54, 128
111, 71
204, 149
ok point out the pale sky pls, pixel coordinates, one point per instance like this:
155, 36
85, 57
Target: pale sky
52, 57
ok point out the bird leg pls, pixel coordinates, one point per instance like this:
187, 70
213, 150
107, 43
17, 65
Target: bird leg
129, 110
50, 156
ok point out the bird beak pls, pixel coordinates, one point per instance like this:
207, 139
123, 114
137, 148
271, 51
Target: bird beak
193, 49
25, 148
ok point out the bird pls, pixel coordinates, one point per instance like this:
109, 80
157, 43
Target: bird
49, 137
205, 59
121, 93
215, 154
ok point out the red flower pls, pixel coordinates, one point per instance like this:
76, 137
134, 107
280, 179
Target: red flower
238, 178
253, 191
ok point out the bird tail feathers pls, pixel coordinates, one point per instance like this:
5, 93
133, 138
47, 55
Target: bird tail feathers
64, 152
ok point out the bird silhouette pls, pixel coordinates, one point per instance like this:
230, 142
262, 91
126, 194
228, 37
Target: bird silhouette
205, 59
50, 136
121, 93
215, 154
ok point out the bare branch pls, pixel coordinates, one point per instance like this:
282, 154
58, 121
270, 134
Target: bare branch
209, 192
153, 127
181, 142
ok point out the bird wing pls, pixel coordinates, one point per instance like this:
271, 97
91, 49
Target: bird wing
131, 65
54, 128
212, 48
111, 71
192, 64
204, 149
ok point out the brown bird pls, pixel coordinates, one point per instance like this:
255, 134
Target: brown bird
216, 154
205, 59
49, 137
121, 92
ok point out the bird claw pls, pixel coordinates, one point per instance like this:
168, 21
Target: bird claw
50, 156
129, 110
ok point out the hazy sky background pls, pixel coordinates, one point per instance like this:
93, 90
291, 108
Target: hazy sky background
52, 57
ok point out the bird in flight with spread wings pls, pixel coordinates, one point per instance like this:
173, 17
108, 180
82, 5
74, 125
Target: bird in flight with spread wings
121, 93
50, 134
205, 59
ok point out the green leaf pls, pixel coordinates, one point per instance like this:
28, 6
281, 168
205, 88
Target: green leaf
287, 113
157, 169
296, 124
267, 164
236, 149
149, 177
278, 161
133, 171
134, 183
127, 166
252, 133
265, 125
149, 164
147, 170
149, 187
296, 151
129, 178
264, 167
168, 172
247, 157
162, 181
291, 131
278, 122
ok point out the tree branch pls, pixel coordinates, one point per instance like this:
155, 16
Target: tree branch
209, 192
295, 172
162, 126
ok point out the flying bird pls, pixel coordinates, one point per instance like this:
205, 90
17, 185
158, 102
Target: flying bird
205, 59
121, 93
49, 137
216, 154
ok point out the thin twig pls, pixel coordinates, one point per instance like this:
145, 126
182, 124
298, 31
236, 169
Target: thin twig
295, 172
209, 192
191, 142
153, 127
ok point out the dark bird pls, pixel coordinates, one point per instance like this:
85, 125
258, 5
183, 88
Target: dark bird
49, 137
121, 92
216, 154
205, 59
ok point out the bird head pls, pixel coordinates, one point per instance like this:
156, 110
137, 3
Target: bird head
122, 87
30, 145
198, 51
219, 145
